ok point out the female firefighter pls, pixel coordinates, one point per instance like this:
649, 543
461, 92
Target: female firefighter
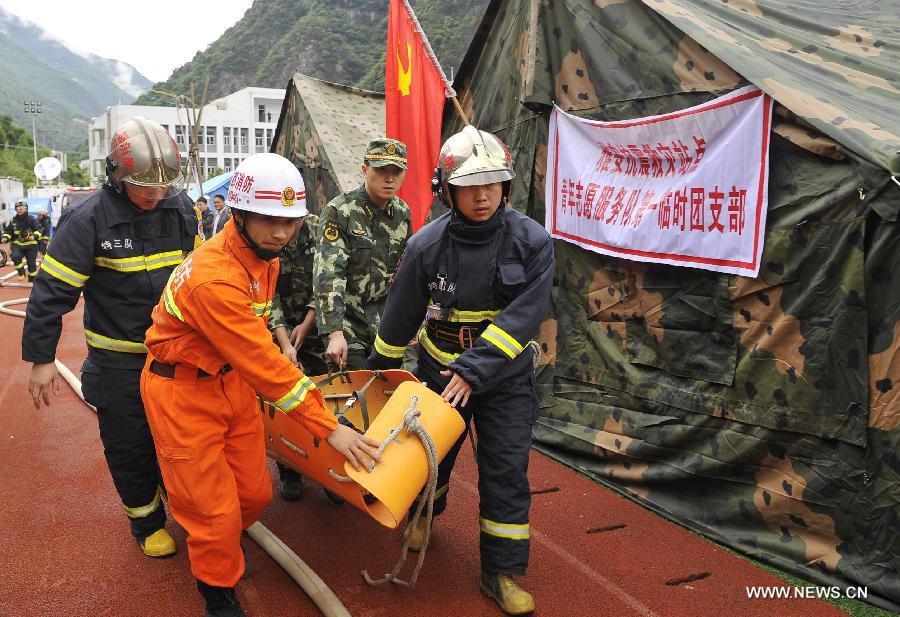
210, 353
480, 277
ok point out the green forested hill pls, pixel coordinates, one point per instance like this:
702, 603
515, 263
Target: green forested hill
17, 156
337, 40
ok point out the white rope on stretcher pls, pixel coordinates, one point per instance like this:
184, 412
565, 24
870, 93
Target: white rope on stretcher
413, 426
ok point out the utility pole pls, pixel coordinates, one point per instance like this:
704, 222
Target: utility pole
32, 108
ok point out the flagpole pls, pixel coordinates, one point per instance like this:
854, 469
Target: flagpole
448, 87
459, 110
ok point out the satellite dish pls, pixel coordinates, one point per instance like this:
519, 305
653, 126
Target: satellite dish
47, 169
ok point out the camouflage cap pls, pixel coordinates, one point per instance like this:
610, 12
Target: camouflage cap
382, 152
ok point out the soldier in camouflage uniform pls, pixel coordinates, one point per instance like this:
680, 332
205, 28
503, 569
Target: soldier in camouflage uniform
293, 323
362, 235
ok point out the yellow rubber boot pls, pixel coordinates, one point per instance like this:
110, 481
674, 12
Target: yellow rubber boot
503, 588
158, 544
417, 541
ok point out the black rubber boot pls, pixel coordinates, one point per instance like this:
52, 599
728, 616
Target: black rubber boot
220, 601
291, 485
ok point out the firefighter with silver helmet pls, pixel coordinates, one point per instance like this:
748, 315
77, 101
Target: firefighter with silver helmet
479, 278
23, 233
210, 339
117, 249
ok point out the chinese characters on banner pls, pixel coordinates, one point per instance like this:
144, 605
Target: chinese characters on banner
689, 188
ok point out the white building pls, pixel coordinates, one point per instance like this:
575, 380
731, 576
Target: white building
11, 189
231, 129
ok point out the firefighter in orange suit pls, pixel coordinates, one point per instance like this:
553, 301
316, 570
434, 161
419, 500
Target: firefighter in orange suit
210, 353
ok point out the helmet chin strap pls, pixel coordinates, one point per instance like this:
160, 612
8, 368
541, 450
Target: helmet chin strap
111, 178
264, 254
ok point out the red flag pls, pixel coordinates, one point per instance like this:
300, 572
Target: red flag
414, 90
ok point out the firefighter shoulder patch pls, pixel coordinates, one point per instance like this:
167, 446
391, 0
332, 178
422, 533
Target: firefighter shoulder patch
330, 232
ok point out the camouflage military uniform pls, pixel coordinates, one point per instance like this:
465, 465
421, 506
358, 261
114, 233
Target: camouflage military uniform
293, 294
360, 246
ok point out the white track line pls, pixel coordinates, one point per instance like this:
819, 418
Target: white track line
639, 607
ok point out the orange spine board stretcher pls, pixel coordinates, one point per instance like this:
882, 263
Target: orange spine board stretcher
387, 492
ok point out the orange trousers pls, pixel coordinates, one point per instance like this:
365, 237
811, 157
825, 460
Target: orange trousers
212, 454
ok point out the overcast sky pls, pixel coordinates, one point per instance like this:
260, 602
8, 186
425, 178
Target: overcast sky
155, 36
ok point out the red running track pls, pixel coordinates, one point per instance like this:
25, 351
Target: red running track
65, 548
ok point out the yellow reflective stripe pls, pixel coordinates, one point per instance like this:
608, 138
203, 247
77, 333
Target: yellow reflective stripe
64, 273
502, 341
472, 316
505, 530
388, 351
112, 344
296, 395
441, 356
262, 309
169, 300
437, 494
141, 262
25, 242
143, 511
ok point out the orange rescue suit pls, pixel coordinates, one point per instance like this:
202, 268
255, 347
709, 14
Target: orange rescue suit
206, 423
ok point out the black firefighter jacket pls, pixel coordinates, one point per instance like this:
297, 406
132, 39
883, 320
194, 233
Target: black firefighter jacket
121, 258
494, 278
23, 231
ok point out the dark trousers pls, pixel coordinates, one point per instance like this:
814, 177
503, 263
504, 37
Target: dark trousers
503, 418
23, 254
127, 444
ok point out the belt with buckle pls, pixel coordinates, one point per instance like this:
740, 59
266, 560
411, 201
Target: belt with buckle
464, 336
168, 370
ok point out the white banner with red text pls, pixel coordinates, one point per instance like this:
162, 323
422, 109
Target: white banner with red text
688, 188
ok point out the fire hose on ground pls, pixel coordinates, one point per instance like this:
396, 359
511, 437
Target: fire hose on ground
296, 568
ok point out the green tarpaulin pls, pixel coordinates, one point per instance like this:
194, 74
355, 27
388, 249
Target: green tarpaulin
761, 412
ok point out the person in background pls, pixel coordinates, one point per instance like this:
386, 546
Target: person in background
480, 278
23, 233
210, 353
293, 323
362, 235
205, 216
117, 248
43, 220
222, 214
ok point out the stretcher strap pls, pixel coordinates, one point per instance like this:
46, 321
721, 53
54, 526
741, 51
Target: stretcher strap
359, 395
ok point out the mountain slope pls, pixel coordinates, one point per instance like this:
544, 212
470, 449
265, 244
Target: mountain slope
231, 61
337, 40
71, 87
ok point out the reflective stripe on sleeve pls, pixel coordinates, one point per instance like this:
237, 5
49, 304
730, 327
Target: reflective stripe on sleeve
64, 273
388, 351
262, 309
296, 395
112, 344
502, 341
505, 530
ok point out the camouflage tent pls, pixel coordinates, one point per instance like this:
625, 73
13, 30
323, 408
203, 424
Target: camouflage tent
760, 412
324, 129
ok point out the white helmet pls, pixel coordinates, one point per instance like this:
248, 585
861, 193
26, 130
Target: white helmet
268, 184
